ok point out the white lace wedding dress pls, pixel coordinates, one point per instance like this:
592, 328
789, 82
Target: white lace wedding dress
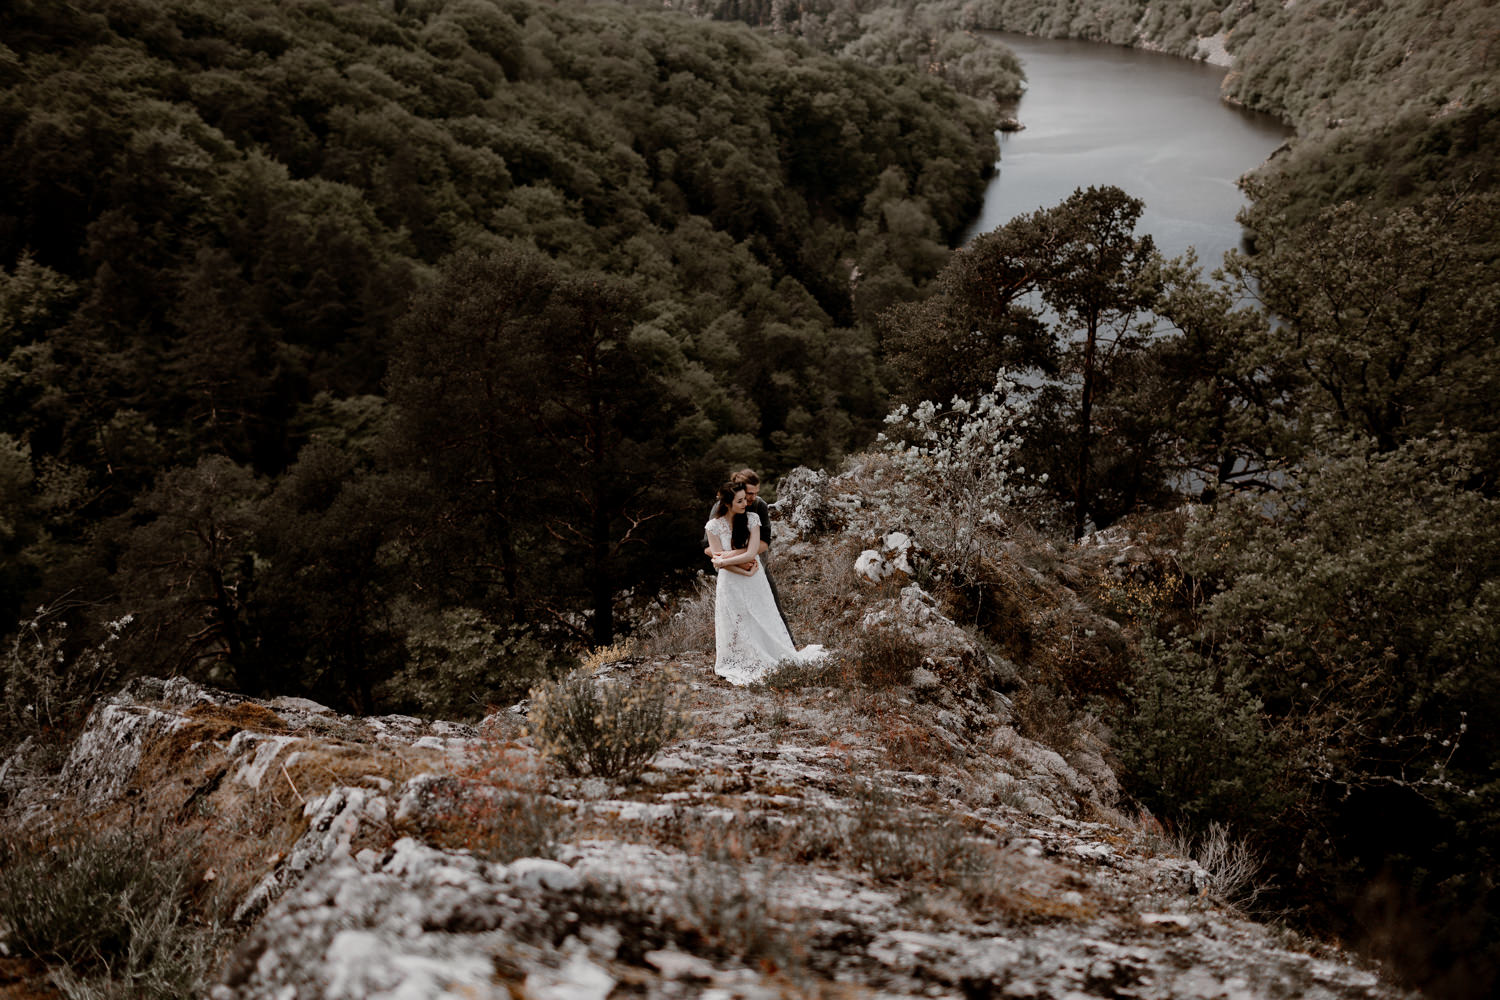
750, 639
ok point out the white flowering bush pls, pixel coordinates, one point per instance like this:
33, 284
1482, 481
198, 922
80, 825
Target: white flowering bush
606, 728
802, 502
48, 681
957, 466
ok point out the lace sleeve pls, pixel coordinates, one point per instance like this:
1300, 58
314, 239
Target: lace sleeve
716, 528
754, 519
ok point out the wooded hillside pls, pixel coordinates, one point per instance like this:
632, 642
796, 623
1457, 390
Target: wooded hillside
232, 237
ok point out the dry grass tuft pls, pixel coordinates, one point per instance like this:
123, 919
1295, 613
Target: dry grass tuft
606, 655
494, 821
115, 912
831, 671
823, 597
245, 715
727, 907
915, 748
1047, 717
886, 657
686, 626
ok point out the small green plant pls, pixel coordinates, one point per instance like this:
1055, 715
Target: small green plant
885, 658
49, 677
607, 728
110, 909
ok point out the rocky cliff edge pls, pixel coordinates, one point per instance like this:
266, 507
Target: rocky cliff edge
812, 841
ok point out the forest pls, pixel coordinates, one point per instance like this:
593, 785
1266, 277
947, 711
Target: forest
249, 292
387, 354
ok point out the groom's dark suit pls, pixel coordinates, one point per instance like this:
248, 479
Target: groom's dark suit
759, 507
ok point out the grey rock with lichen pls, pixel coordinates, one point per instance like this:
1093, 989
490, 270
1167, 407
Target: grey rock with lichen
1079, 902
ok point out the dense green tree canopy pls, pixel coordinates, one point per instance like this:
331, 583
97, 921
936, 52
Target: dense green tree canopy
377, 351
229, 235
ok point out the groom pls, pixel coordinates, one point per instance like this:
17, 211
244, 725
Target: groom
758, 506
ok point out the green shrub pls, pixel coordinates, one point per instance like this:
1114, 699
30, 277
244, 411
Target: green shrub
606, 728
1191, 741
885, 658
110, 908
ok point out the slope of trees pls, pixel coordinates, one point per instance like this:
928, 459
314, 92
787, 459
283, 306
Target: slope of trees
322, 323
1317, 674
930, 38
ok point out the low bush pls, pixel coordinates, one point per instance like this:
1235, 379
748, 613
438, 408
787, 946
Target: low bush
50, 676
1232, 865
1193, 742
729, 907
885, 657
890, 842
791, 676
606, 728
1045, 716
494, 821
112, 909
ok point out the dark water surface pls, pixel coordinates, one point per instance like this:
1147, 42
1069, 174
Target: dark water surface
1150, 124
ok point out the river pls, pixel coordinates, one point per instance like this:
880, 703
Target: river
1150, 124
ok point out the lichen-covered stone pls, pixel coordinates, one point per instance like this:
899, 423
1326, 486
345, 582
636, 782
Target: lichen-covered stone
753, 860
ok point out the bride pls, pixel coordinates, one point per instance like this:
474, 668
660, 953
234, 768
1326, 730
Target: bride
750, 638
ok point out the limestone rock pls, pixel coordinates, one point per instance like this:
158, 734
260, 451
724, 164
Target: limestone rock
788, 844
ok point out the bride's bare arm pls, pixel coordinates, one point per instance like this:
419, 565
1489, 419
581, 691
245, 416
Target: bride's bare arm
741, 557
743, 570
721, 557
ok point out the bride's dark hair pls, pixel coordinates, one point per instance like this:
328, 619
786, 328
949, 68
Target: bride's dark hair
739, 523
726, 497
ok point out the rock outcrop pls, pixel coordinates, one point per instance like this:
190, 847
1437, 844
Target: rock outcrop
817, 841
887, 824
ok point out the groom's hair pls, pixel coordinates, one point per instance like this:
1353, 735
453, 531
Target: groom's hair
747, 476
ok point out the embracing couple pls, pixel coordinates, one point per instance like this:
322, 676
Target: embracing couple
751, 636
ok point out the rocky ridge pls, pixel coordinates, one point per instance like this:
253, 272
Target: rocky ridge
820, 840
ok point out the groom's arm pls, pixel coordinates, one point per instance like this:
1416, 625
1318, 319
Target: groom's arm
765, 526
715, 552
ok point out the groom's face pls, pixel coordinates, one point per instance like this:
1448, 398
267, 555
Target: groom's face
751, 492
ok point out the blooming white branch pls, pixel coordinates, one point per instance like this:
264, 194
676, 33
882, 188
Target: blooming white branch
961, 459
